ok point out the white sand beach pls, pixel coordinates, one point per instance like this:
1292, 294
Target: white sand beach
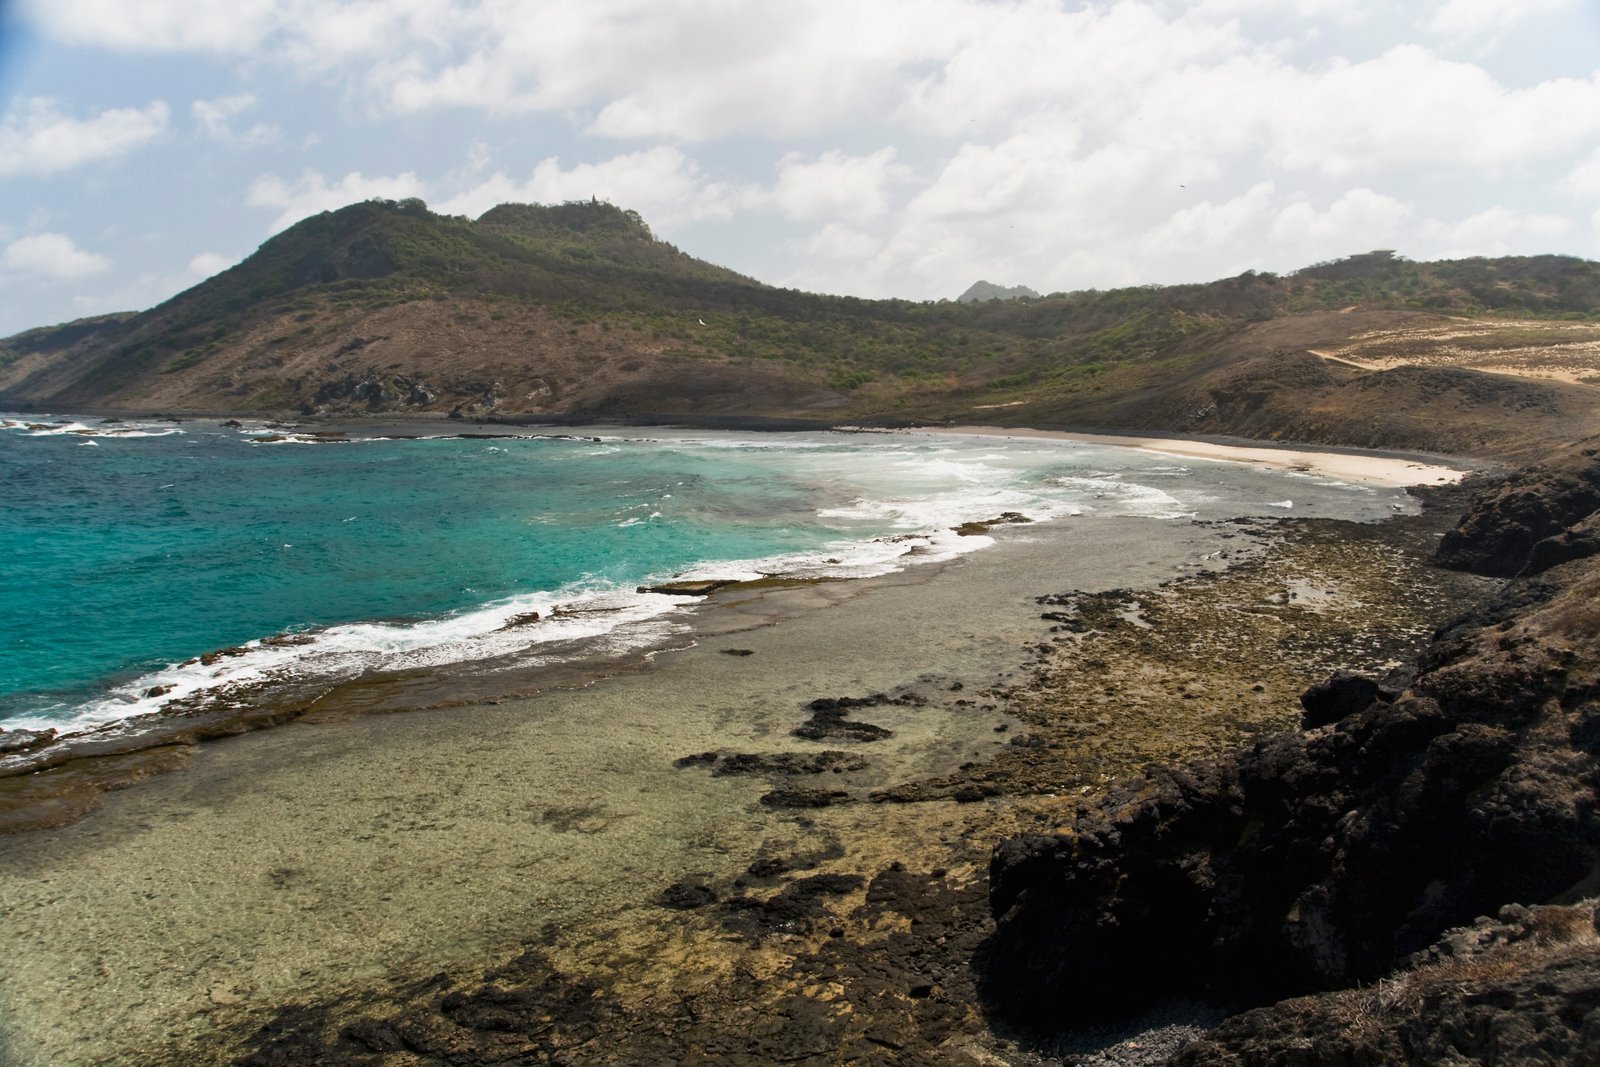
1360, 468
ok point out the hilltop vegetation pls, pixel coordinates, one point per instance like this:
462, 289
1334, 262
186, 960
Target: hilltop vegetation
578, 310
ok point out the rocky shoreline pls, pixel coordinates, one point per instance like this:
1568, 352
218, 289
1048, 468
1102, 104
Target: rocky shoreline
823, 955
1320, 861
1329, 797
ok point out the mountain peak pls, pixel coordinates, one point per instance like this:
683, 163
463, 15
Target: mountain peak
982, 290
591, 218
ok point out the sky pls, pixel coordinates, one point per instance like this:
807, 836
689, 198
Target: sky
877, 148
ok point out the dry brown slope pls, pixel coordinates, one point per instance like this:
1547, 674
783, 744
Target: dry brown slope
1265, 381
434, 356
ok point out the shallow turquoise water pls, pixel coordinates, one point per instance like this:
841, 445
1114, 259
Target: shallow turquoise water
131, 548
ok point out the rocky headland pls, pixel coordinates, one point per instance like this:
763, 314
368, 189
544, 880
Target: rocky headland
1339, 878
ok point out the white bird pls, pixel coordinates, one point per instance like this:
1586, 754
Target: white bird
701, 321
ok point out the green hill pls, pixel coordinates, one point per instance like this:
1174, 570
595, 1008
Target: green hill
577, 310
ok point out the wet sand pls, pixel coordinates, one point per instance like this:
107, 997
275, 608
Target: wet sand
340, 863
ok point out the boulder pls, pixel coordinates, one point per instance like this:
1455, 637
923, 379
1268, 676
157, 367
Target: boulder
12, 741
688, 588
1343, 694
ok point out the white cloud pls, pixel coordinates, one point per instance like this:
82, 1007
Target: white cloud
324, 36
1089, 143
155, 25
311, 193
51, 257
1478, 18
215, 120
1051, 182
1209, 225
1132, 72
638, 69
1011, 62
662, 184
1409, 108
834, 185
1018, 175
1499, 231
1360, 219
1343, 10
206, 264
1583, 180
147, 288
36, 138
836, 241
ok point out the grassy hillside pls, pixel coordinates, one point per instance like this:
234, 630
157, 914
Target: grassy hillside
577, 309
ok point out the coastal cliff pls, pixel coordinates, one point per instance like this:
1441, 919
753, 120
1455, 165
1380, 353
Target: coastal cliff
1319, 861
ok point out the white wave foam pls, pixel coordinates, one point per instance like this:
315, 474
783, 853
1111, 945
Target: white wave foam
603, 619
49, 426
1109, 493
134, 431
610, 619
844, 559
275, 438
41, 429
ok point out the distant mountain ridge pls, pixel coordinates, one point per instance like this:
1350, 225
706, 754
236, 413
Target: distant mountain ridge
982, 290
577, 311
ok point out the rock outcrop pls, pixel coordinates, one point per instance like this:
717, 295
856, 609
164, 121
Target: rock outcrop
1525, 989
1321, 859
982, 290
1531, 521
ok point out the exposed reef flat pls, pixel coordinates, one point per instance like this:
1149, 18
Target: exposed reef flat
551, 880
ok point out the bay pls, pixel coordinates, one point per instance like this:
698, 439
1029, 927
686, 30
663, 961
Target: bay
130, 549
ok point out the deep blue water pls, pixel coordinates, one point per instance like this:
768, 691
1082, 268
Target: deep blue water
131, 548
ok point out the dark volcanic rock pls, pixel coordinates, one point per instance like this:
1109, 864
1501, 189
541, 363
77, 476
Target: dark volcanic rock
828, 720
1313, 861
1579, 541
789, 763
774, 763
1507, 526
1520, 991
805, 798
804, 898
688, 893
1343, 694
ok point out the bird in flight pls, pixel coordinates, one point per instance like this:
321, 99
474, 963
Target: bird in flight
701, 321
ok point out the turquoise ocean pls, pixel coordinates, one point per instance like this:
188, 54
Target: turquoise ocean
130, 549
